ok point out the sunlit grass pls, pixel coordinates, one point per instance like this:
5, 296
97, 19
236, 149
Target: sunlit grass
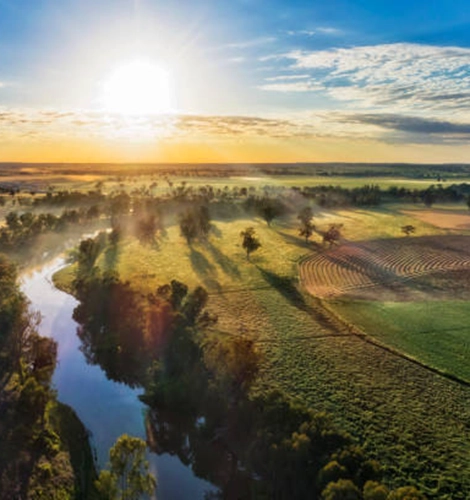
436, 332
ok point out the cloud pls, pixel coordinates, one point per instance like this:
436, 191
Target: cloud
286, 77
330, 31
42, 125
237, 60
307, 86
410, 76
414, 128
320, 30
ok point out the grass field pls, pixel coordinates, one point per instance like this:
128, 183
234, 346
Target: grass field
413, 420
435, 332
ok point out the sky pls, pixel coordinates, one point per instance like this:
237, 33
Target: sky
235, 81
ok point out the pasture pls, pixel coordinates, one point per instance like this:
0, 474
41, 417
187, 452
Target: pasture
315, 345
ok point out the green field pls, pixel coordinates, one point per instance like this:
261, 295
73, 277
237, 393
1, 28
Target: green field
434, 332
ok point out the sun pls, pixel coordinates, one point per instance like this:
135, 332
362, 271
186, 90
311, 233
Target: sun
138, 88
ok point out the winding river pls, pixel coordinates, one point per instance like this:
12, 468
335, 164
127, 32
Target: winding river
106, 408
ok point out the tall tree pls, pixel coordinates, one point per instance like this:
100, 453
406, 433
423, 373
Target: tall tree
128, 477
250, 242
306, 226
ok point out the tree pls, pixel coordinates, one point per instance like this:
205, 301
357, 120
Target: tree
429, 197
188, 226
333, 235
270, 208
88, 252
250, 241
13, 221
204, 221
408, 229
375, 491
129, 477
306, 227
343, 489
235, 362
406, 493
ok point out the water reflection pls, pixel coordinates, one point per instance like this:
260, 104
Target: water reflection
107, 409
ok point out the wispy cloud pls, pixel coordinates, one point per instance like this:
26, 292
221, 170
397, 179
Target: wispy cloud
288, 86
286, 77
236, 60
410, 76
253, 42
385, 127
330, 31
316, 31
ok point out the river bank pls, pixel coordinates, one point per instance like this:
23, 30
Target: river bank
107, 409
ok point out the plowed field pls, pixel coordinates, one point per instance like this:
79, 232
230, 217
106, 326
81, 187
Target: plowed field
391, 268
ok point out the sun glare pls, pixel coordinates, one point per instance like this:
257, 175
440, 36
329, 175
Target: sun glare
138, 88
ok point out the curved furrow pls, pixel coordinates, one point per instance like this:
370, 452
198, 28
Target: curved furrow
356, 266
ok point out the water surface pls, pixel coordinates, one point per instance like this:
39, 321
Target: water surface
106, 408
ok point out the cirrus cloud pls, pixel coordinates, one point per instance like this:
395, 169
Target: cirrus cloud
408, 76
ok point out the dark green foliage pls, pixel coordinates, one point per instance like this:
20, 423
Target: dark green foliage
32, 462
429, 197
195, 223
408, 229
113, 331
250, 242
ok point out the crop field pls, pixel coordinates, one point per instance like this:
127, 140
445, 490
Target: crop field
382, 267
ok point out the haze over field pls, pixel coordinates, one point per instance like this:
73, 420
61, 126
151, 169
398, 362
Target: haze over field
247, 80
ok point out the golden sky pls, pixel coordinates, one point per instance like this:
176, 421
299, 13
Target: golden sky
206, 81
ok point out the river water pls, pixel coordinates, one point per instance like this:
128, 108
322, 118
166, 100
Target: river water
106, 408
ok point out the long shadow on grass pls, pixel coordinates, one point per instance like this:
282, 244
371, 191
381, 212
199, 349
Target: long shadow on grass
300, 242
204, 269
286, 288
227, 265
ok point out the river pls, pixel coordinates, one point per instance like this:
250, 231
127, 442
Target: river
106, 408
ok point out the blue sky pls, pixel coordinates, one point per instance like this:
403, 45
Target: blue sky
301, 74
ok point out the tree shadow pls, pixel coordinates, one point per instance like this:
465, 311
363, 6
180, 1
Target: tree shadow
226, 264
204, 269
216, 231
286, 287
300, 242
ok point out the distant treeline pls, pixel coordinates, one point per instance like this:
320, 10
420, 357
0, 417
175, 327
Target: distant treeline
408, 170
372, 195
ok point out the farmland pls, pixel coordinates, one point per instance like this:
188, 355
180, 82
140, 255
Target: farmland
372, 329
